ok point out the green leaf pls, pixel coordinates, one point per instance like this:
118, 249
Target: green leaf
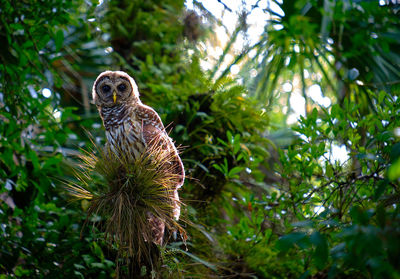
287, 241
359, 215
236, 144
52, 161
394, 170
229, 137
313, 116
97, 265
78, 266
59, 39
381, 96
234, 171
329, 171
34, 159
79, 274
88, 259
336, 111
218, 167
97, 251
199, 260
321, 249
201, 114
222, 142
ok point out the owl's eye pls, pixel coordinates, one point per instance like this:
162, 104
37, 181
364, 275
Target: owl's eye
121, 87
106, 88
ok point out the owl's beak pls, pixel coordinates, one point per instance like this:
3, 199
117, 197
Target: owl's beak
115, 97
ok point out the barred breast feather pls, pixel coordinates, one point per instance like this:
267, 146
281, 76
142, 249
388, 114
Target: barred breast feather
123, 130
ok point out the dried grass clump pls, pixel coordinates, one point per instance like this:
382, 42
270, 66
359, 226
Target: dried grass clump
123, 191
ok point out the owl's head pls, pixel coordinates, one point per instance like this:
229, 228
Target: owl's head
114, 88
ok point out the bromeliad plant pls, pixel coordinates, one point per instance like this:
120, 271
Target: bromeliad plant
125, 192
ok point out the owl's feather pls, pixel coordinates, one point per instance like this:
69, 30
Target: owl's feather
153, 131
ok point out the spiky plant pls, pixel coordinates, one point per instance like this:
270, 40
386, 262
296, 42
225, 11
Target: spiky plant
125, 191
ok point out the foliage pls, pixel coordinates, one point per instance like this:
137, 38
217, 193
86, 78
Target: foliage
343, 207
321, 44
258, 203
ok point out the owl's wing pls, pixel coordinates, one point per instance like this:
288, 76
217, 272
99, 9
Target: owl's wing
154, 131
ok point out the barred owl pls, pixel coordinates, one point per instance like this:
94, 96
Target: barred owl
131, 126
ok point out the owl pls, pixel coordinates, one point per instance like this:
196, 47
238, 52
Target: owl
132, 126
